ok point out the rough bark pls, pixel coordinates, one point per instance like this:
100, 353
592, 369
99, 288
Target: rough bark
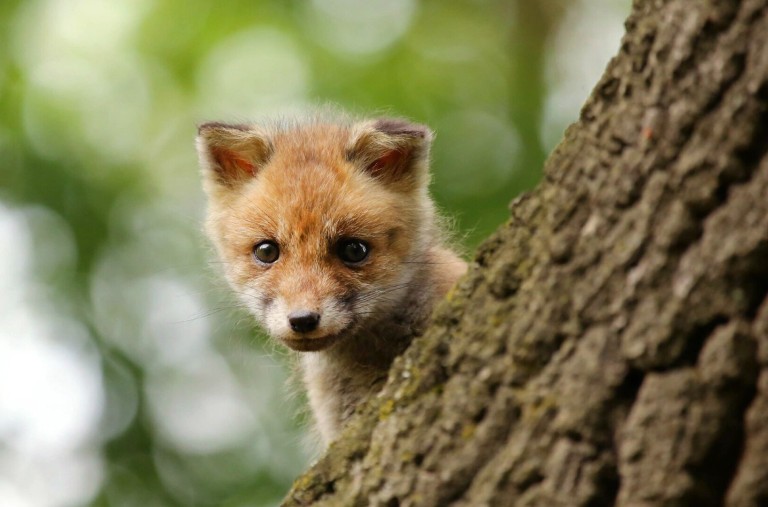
610, 343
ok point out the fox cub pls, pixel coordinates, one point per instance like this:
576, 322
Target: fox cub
328, 235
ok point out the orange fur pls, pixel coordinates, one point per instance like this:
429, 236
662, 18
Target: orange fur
307, 186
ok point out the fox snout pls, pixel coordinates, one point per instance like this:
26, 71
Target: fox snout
307, 325
306, 332
303, 321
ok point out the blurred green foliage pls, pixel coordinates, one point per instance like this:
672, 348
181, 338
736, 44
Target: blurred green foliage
169, 395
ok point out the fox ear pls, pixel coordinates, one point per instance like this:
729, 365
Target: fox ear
231, 154
392, 150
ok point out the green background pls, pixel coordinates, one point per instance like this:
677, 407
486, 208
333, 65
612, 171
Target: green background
128, 374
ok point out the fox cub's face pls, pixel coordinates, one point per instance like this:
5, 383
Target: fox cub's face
318, 225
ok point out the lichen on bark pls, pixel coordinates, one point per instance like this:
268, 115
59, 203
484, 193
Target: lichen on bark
610, 342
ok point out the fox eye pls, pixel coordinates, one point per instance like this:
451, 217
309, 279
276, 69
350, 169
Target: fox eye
353, 251
266, 252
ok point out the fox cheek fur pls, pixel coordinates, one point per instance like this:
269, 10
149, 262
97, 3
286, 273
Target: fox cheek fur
328, 235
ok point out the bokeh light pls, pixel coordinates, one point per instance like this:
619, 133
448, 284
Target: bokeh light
252, 73
349, 27
51, 398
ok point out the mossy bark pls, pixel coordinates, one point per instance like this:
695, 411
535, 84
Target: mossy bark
610, 342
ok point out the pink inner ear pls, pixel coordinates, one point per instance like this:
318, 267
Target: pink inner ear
390, 162
231, 161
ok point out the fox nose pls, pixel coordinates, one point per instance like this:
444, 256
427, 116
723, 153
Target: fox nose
303, 321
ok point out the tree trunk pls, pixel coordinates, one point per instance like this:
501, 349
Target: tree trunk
610, 343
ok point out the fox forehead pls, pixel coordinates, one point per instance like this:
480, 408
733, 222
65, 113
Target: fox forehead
314, 199
323, 143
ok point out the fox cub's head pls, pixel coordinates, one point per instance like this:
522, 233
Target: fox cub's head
318, 224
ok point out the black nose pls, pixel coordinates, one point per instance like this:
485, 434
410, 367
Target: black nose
303, 322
